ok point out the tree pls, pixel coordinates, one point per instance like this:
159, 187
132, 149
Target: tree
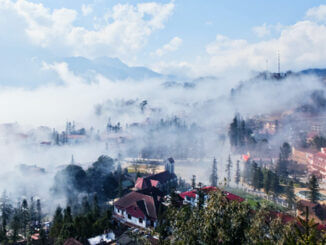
96, 209
237, 173
25, 216
258, 177
193, 182
285, 151
57, 223
214, 177
6, 211
233, 132
247, 171
39, 212
201, 196
313, 189
228, 170
275, 185
15, 225
267, 181
290, 196
281, 167
86, 207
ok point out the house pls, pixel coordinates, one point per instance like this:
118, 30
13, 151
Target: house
316, 211
163, 181
319, 163
102, 239
192, 197
139, 208
303, 156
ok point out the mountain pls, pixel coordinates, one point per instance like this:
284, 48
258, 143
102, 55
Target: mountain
112, 68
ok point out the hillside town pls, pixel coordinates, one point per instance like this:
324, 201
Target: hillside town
162, 122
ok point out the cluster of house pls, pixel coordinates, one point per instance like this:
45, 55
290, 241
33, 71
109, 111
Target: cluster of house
139, 208
314, 160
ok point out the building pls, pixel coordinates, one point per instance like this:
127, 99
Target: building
163, 181
139, 208
192, 197
303, 156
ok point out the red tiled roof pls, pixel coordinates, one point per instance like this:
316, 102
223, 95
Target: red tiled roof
154, 183
147, 202
322, 155
191, 194
233, 197
135, 211
140, 183
154, 180
207, 189
72, 241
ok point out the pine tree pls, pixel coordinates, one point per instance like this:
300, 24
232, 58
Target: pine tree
6, 211
39, 212
25, 216
257, 178
285, 151
267, 181
120, 187
237, 173
15, 225
313, 189
201, 196
56, 223
247, 171
290, 196
86, 207
193, 182
96, 208
214, 177
234, 132
228, 170
275, 186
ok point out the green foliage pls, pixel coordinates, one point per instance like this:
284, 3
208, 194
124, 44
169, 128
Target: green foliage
290, 196
257, 176
231, 222
313, 189
99, 178
240, 135
193, 182
90, 221
214, 176
237, 173
228, 170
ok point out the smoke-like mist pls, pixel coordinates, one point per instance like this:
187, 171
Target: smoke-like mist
158, 119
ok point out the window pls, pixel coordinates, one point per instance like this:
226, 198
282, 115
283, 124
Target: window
140, 220
129, 216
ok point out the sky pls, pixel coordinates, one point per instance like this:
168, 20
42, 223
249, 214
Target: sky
197, 38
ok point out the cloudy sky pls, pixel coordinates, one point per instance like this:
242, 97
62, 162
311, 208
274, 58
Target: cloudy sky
176, 36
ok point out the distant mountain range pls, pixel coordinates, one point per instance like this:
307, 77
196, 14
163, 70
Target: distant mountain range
112, 68
28, 72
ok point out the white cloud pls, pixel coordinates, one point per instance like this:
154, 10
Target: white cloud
262, 31
86, 9
171, 46
301, 46
317, 13
126, 29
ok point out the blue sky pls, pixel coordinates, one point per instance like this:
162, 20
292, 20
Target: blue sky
188, 35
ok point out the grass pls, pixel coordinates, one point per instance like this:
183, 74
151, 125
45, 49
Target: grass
255, 201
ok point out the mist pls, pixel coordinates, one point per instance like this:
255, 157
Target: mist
189, 123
